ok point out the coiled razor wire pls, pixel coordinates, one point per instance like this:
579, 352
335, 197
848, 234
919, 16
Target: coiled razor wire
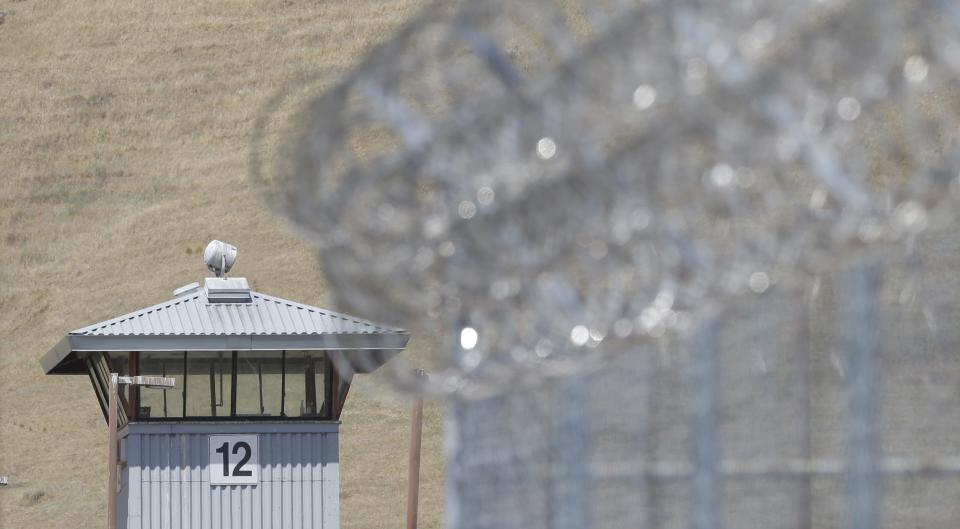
564, 188
566, 192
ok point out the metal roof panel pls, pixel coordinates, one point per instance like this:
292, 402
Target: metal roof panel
191, 323
265, 315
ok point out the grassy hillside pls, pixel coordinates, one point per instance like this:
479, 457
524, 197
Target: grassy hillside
124, 133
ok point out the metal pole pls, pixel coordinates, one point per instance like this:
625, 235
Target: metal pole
112, 455
569, 492
416, 436
805, 520
704, 383
862, 332
653, 374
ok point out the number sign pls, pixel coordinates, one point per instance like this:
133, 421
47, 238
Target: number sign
234, 460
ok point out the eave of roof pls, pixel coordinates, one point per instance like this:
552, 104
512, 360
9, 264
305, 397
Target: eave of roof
191, 323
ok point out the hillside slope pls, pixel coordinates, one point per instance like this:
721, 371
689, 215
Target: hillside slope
124, 135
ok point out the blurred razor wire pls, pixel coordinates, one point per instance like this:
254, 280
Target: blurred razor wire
691, 263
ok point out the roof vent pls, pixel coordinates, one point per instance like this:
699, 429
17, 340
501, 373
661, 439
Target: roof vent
227, 290
186, 290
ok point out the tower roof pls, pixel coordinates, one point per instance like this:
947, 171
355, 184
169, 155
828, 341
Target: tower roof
225, 315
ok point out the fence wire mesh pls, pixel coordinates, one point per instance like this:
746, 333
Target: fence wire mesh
837, 409
692, 263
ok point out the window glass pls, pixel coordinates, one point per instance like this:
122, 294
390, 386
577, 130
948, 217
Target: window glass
208, 383
156, 403
305, 384
119, 363
258, 383
290, 384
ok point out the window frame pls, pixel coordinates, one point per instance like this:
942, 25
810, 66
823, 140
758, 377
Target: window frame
329, 410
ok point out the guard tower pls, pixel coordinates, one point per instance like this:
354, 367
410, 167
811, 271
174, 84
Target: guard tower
248, 436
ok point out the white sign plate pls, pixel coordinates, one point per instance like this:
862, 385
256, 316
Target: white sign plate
234, 459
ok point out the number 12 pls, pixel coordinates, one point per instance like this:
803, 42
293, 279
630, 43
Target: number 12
237, 470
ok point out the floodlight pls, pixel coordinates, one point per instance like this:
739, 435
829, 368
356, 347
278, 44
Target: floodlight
220, 257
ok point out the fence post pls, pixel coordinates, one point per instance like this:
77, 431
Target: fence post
704, 398
861, 332
569, 481
802, 350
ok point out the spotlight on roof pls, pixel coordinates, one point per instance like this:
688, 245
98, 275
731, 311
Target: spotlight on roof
219, 257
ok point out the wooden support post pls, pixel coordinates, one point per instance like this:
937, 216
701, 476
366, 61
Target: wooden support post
416, 435
112, 455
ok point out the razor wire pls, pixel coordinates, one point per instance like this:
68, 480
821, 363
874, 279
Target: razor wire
582, 198
492, 162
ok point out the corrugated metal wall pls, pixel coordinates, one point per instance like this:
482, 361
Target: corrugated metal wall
166, 483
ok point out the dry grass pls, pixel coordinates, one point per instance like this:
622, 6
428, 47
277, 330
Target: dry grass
124, 133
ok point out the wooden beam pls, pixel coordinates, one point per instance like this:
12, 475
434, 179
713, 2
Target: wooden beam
342, 391
413, 478
112, 454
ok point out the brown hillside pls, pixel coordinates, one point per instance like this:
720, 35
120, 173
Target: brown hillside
124, 136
